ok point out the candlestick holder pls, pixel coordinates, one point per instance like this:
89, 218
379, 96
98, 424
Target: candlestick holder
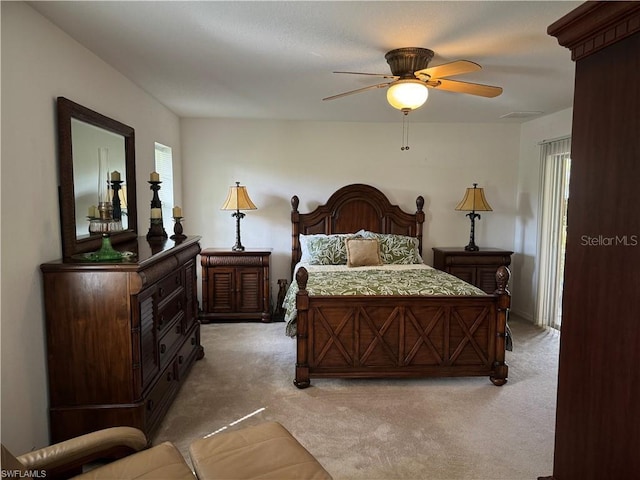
117, 207
156, 227
177, 229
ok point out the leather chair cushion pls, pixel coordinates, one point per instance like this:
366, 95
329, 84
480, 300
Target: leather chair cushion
265, 451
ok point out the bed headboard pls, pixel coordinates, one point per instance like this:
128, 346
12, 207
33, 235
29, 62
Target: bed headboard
350, 209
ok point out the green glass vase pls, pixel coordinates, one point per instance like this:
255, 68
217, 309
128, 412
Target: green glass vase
106, 252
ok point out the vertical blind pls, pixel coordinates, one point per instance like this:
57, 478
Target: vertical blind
556, 164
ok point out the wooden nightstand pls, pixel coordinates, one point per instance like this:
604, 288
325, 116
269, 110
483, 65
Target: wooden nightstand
478, 268
235, 285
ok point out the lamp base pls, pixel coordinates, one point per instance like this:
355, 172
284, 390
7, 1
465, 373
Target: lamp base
472, 247
238, 246
106, 252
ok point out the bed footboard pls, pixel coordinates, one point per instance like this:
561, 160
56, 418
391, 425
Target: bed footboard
401, 336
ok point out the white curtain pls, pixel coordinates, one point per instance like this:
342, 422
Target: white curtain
556, 165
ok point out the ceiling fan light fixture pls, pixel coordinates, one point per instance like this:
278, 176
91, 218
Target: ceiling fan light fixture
407, 94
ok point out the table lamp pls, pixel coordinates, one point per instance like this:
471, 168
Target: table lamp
238, 199
473, 201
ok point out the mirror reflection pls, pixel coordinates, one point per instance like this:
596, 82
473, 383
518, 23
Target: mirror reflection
85, 139
88, 140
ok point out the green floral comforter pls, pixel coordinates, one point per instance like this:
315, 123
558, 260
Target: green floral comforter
416, 279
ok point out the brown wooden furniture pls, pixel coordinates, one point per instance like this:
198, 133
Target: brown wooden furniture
598, 406
391, 336
121, 337
235, 285
475, 267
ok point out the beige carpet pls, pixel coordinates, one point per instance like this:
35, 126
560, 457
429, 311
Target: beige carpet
451, 428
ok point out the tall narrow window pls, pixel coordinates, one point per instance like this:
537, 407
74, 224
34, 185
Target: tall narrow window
556, 167
164, 167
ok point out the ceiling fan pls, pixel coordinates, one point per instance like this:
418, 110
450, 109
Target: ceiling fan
411, 77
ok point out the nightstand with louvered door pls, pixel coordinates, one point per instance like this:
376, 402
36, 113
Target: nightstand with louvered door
235, 285
478, 268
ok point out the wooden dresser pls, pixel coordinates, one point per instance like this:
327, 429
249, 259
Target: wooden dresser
235, 285
121, 337
477, 268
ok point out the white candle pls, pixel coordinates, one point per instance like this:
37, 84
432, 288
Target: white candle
115, 176
156, 213
155, 177
177, 212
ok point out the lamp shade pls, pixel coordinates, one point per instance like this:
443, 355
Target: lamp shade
238, 199
474, 201
407, 94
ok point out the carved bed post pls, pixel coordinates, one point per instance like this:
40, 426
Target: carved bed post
504, 303
302, 345
419, 221
295, 231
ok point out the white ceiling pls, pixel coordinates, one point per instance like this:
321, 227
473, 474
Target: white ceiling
274, 60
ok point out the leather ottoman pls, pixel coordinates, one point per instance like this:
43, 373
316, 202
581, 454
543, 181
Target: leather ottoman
265, 451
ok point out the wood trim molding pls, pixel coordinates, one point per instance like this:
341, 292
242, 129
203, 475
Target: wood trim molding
596, 25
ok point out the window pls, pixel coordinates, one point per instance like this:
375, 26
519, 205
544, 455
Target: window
164, 167
556, 166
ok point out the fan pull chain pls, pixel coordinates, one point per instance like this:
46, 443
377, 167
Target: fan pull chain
405, 131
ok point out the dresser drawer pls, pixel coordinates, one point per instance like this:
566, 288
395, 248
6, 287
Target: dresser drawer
168, 311
188, 352
168, 344
168, 285
160, 396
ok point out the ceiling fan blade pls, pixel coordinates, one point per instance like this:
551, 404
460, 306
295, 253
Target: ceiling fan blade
383, 75
448, 69
370, 87
465, 87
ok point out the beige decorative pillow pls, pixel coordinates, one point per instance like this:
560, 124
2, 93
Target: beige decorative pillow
362, 252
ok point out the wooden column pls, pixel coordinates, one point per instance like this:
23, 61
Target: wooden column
598, 407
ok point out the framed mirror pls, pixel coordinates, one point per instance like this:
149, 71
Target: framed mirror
83, 138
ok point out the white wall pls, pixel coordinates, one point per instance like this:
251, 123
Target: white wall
525, 267
40, 63
278, 159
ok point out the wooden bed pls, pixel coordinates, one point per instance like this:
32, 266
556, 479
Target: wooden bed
391, 336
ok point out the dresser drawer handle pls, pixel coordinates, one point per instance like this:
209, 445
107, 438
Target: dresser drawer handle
161, 292
193, 340
163, 348
177, 279
180, 359
178, 329
150, 405
160, 321
179, 305
169, 377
